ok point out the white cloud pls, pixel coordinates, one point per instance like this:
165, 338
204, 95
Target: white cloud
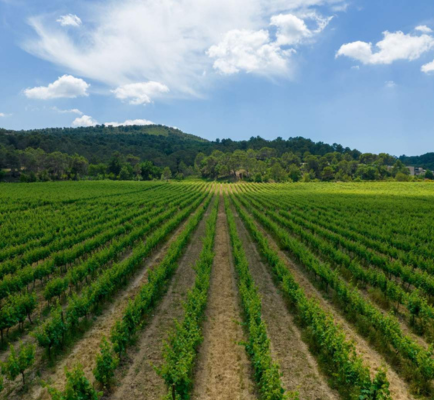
290, 29
427, 68
358, 50
164, 41
66, 86
71, 111
249, 51
390, 84
293, 30
424, 29
394, 46
340, 7
356, 67
3, 115
130, 122
69, 20
304, 4
140, 93
256, 52
85, 120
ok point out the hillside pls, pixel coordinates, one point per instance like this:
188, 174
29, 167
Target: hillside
128, 152
162, 145
425, 161
97, 144
158, 130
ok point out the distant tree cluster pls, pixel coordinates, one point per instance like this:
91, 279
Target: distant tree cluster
425, 161
33, 165
265, 165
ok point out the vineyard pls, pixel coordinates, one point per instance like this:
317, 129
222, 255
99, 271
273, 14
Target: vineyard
202, 290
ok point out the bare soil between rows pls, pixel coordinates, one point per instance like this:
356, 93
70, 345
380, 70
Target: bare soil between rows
137, 377
300, 371
41, 313
223, 370
398, 387
85, 349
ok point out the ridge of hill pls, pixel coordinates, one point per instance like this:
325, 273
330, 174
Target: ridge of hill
163, 145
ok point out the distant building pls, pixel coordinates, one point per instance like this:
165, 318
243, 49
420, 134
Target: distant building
414, 171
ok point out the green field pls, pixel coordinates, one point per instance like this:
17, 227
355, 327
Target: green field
204, 290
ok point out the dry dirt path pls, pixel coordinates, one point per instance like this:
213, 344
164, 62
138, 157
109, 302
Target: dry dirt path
299, 369
223, 370
84, 350
398, 387
140, 380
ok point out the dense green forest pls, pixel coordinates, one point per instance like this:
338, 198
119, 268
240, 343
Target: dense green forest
424, 161
156, 151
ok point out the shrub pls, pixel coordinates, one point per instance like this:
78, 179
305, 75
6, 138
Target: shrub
18, 362
106, 363
77, 387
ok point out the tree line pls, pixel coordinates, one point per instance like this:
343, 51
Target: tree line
424, 161
35, 165
266, 165
158, 152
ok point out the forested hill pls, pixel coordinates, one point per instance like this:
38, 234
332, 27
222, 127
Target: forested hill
156, 151
162, 145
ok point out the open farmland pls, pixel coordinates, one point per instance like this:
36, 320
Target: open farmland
151, 290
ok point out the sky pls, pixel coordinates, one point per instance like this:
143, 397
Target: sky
358, 73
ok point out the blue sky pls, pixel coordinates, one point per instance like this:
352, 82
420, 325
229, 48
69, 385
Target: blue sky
359, 73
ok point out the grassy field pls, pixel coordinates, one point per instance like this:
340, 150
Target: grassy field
150, 290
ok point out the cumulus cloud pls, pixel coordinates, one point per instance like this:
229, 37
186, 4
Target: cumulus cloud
69, 20
394, 46
293, 30
2, 115
140, 93
390, 84
427, 68
424, 29
71, 111
256, 52
66, 86
85, 120
290, 29
249, 51
163, 41
130, 122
